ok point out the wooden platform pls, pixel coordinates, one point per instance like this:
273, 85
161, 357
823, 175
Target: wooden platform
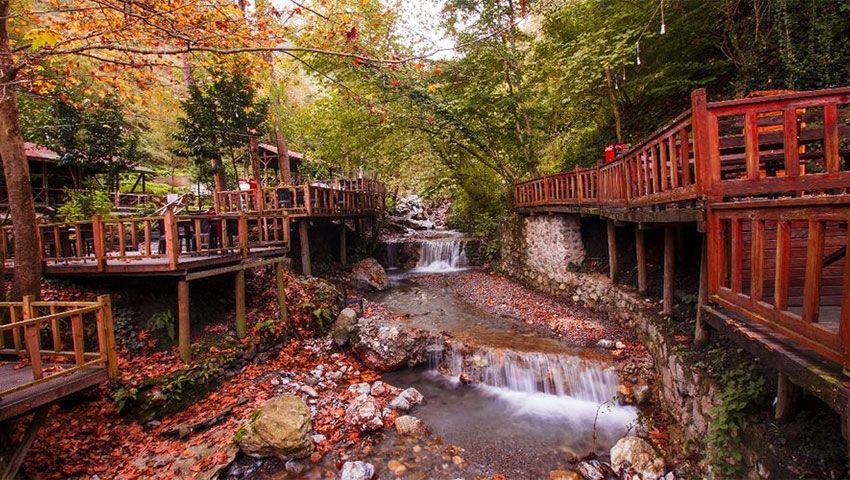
51, 390
804, 366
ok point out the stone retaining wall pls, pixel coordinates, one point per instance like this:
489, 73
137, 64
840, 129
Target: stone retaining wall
684, 391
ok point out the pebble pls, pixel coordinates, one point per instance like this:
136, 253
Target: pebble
396, 467
309, 391
458, 461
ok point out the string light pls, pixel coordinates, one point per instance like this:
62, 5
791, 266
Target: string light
663, 26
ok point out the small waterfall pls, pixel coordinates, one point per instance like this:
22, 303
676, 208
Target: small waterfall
531, 373
442, 256
392, 261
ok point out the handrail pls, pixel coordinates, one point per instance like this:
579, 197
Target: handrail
26, 329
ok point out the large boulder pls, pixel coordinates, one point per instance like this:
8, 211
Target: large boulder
342, 327
281, 428
407, 400
364, 415
638, 454
369, 274
386, 346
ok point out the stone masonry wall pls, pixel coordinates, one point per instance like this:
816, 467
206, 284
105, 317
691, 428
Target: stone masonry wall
684, 391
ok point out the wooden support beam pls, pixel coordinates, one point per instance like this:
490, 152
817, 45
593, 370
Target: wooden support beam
612, 250
11, 470
281, 293
787, 398
241, 320
702, 333
306, 266
640, 248
669, 267
343, 251
184, 328
109, 350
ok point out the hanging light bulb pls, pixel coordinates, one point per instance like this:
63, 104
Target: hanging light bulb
663, 26
637, 51
624, 74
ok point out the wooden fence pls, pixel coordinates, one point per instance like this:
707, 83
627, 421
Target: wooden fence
336, 198
782, 145
77, 334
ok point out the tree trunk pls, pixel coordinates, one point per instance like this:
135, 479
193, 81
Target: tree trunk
612, 94
27, 276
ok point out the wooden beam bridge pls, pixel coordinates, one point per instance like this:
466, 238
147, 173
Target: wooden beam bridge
767, 180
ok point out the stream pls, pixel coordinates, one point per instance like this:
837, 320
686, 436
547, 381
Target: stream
528, 402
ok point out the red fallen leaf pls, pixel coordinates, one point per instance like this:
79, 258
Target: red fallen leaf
681, 338
657, 435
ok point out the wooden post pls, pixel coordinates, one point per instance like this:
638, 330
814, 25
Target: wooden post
98, 240
243, 234
108, 349
32, 338
287, 233
343, 253
241, 322
640, 250
702, 334
306, 266
787, 398
184, 333
612, 250
11, 470
172, 241
281, 293
669, 267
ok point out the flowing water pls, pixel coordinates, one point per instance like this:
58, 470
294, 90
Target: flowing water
442, 255
502, 397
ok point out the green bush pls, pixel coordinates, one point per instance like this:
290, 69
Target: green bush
84, 204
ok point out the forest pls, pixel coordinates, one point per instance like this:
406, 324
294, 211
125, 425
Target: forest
443, 168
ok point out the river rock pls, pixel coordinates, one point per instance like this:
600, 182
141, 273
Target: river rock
342, 327
281, 428
385, 346
410, 425
406, 400
364, 415
369, 274
640, 454
357, 471
595, 470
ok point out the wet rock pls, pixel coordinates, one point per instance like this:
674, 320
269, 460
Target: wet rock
369, 274
364, 415
385, 346
341, 332
310, 391
564, 475
605, 343
643, 394
409, 425
407, 400
319, 438
357, 471
640, 455
281, 428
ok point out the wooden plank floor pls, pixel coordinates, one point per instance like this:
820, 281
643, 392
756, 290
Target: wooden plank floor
23, 401
804, 366
155, 265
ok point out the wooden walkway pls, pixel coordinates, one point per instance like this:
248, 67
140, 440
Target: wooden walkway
767, 180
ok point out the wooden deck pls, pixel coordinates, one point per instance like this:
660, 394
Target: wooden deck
767, 180
30, 398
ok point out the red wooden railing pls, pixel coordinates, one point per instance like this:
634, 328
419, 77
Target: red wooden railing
338, 197
773, 173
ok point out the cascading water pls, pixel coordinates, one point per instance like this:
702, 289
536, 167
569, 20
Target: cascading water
442, 256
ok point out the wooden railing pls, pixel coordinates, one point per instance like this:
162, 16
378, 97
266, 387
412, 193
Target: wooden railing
169, 236
773, 174
783, 263
340, 197
77, 333
782, 145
